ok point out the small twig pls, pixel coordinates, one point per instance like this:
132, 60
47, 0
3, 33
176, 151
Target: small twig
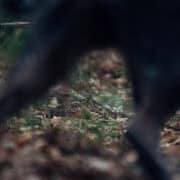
172, 127
16, 24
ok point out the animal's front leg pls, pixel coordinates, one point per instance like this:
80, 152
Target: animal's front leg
60, 34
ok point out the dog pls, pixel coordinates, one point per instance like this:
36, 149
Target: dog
146, 32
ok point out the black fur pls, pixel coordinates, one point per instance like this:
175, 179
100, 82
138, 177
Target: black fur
147, 32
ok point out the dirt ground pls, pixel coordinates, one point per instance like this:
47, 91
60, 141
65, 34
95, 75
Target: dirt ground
79, 134
62, 154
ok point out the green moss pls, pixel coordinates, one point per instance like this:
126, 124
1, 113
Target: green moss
11, 42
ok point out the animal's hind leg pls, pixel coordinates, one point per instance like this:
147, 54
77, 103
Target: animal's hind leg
144, 134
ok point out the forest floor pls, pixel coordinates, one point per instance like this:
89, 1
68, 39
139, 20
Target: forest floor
76, 131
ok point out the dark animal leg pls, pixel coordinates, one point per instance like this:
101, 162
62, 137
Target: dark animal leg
55, 46
144, 135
